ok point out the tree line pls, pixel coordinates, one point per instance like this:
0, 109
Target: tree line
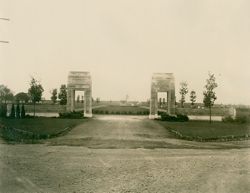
34, 95
209, 95
36, 89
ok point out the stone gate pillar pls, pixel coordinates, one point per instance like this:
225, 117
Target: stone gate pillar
153, 103
70, 99
80, 81
162, 82
88, 103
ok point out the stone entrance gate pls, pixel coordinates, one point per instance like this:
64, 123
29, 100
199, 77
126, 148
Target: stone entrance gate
162, 82
80, 81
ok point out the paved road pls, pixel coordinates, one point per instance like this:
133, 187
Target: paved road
122, 154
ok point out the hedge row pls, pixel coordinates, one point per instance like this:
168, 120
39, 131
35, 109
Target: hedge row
201, 139
72, 115
18, 135
120, 112
177, 118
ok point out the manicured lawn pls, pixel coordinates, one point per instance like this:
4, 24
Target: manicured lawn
116, 109
206, 130
216, 111
41, 125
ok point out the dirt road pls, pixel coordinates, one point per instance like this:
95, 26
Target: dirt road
124, 154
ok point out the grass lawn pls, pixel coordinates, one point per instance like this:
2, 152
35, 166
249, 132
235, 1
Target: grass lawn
205, 130
41, 125
116, 109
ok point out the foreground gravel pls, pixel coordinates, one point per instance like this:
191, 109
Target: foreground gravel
103, 168
39, 168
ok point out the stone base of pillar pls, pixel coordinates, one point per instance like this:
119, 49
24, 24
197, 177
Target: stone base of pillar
153, 116
88, 115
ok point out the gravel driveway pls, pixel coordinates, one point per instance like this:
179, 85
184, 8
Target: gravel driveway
124, 154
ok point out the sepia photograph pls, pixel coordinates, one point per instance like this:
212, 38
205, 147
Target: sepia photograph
124, 96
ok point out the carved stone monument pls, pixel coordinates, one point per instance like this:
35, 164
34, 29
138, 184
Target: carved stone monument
80, 81
162, 82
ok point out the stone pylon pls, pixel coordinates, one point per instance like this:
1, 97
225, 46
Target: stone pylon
162, 82
80, 81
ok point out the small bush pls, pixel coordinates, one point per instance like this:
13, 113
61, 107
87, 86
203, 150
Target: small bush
182, 118
177, 118
72, 115
241, 119
167, 117
160, 113
228, 119
238, 119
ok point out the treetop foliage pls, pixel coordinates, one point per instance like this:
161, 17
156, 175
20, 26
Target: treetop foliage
63, 95
209, 94
35, 90
5, 94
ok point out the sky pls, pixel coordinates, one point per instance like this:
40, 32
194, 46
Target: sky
122, 43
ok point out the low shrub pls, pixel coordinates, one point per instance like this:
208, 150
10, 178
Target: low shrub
228, 119
177, 118
72, 115
238, 119
182, 118
241, 119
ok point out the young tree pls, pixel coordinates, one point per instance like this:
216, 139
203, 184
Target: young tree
17, 111
63, 95
35, 92
22, 112
209, 94
192, 97
183, 91
54, 95
5, 94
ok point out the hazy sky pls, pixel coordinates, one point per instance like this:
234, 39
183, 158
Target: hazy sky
122, 42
